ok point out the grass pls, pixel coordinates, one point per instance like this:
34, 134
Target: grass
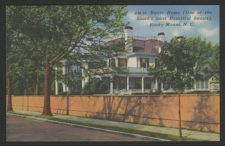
145, 133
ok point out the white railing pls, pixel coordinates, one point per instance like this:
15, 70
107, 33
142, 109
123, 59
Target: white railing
131, 91
137, 70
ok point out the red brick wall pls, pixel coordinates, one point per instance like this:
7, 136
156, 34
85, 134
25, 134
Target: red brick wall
200, 112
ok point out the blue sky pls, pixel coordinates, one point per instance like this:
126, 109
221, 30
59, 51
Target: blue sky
208, 29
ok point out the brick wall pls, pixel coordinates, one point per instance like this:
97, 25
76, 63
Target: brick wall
200, 112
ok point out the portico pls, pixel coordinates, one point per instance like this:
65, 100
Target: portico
132, 84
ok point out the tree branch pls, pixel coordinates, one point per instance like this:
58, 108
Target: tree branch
59, 57
63, 54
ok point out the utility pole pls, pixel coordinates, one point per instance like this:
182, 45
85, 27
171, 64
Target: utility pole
179, 112
67, 88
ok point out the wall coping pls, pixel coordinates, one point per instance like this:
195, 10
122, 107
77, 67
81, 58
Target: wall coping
163, 95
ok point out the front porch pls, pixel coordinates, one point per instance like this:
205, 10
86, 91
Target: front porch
130, 85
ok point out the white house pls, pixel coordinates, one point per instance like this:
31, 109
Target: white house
132, 77
139, 54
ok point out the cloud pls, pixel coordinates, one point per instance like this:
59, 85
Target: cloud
175, 33
186, 27
208, 32
131, 16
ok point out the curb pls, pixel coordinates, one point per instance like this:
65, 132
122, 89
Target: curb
94, 128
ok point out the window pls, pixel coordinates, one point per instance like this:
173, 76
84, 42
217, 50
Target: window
122, 62
138, 83
197, 84
206, 84
144, 62
147, 83
112, 62
76, 68
202, 84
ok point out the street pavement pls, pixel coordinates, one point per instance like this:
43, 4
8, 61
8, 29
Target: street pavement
22, 129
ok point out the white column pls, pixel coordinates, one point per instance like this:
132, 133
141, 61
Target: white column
64, 73
84, 78
67, 88
128, 83
56, 82
156, 84
111, 85
83, 83
138, 63
142, 84
116, 62
108, 62
86, 67
162, 87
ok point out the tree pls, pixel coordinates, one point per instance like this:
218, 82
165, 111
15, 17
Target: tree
15, 64
20, 63
57, 31
181, 62
12, 56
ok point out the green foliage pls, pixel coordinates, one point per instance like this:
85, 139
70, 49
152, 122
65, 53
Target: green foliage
200, 92
180, 62
26, 66
95, 86
32, 32
54, 27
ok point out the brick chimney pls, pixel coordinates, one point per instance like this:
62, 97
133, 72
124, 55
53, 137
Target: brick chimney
179, 38
161, 36
128, 36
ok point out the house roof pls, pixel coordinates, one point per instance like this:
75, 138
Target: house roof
116, 41
147, 46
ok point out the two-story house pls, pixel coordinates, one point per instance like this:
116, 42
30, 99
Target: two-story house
132, 65
129, 68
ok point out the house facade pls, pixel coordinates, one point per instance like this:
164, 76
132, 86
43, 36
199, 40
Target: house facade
129, 68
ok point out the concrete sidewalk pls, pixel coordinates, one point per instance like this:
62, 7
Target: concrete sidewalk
203, 136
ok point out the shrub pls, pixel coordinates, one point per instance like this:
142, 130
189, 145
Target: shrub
199, 92
95, 86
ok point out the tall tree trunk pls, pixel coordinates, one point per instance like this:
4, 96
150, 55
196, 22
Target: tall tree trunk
48, 70
9, 93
